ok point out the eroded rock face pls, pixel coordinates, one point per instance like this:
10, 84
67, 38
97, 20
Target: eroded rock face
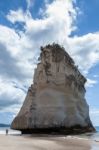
55, 100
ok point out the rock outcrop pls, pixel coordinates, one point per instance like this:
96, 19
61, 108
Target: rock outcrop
56, 99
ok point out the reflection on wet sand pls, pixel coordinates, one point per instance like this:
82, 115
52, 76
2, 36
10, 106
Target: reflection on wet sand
46, 142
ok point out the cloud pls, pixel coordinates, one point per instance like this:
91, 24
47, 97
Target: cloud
91, 83
48, 29
94, 111
6, 117
85, 50
53, 25
94, 114
30, 3
8, 64
9, 95
20, 49
49, 25
14, 16
17, 51
96, 76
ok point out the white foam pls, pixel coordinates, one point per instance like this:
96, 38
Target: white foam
10, 132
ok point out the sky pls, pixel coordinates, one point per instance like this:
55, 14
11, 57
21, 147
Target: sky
25, 25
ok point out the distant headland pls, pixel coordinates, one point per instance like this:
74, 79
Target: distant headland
4, 125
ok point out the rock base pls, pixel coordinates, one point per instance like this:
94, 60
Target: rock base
59, 131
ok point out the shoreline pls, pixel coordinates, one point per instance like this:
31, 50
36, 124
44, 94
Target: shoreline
46, 142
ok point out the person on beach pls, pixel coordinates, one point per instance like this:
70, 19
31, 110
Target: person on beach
7, 131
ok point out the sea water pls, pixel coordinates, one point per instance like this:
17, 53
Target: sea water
10, 131
92, 136
97, 128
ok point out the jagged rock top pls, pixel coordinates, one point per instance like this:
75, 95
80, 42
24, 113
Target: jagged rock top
56, 54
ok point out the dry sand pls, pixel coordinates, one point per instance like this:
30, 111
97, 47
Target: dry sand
41, 142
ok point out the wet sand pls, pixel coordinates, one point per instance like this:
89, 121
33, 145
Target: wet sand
45, 142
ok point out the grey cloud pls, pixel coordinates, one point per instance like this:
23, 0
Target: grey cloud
24, 88
8, 64
7, 101
11, 94
43, 35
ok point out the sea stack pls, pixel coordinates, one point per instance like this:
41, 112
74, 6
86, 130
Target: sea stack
56, 99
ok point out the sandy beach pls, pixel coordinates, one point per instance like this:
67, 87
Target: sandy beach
45, 142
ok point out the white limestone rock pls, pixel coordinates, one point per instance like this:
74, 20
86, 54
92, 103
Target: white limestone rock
56, 99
